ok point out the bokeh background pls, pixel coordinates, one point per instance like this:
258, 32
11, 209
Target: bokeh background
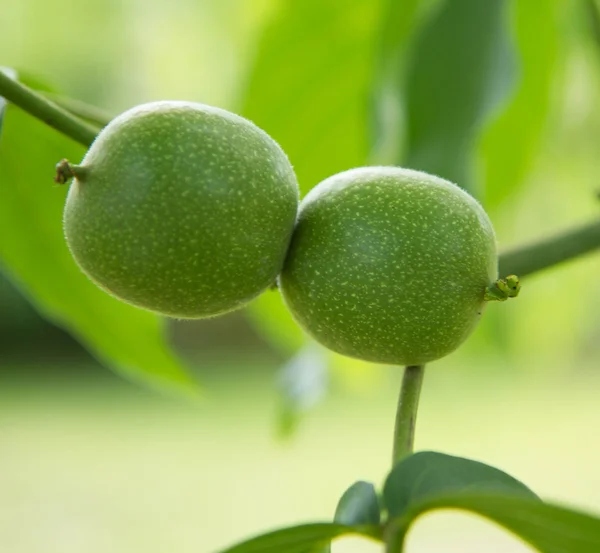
92, 462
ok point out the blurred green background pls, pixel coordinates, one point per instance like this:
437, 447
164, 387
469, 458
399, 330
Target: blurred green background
501, 96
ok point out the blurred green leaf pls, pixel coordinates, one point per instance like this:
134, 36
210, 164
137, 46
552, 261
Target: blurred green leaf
593, 14
400, 21
271, 317
429, 474
462, 67
307, 538
548, 528
36, 257
303, 381
311, 82
509, 144
83, 110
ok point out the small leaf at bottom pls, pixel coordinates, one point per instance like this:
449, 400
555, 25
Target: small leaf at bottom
358, 505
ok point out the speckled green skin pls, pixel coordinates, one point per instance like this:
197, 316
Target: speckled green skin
182, 209
389, 265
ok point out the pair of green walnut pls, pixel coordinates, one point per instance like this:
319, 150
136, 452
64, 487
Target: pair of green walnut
192, 211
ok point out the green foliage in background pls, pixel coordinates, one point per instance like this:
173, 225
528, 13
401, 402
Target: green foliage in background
512, 139
461, 68
445, 86
460, 88
377, 82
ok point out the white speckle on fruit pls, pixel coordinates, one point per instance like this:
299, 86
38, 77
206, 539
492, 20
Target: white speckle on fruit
414, 251
163, 221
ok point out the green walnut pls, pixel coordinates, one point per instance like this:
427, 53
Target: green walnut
389, 265
182, 209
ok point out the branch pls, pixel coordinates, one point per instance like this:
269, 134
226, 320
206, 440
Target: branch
551, 251
92, 114
48, 112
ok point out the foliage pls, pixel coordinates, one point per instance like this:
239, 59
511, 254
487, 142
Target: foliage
509, 143
461, 69
455, 87
429, 481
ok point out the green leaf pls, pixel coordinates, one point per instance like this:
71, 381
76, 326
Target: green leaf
303, 381
92, 114
307, 538
35, 256
509, 144
428, 474
269, 315
548, 528
358, 505
462, 68
429, 481
400, 21
310, 84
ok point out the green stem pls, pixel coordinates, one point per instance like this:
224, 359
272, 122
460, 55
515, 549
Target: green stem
92, 114
394, 541
551, 251
48, 112
406, 413
404, 435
